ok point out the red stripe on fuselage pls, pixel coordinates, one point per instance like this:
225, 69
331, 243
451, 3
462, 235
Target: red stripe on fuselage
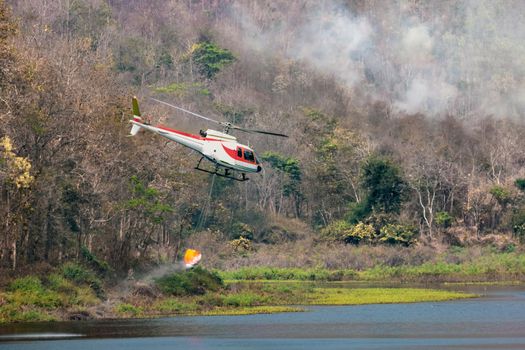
233, 153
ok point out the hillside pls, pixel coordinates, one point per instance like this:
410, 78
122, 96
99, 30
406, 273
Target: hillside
405, 122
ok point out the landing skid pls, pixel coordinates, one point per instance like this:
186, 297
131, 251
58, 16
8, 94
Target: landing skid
229, 174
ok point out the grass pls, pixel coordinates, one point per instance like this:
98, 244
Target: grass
250, 298
175, 306
128, 310
360, 296
244, 299
251, 310
494, 267
273, 273
31, 298
485, 283
490, 267
12, 313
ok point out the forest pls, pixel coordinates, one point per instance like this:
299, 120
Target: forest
405, 124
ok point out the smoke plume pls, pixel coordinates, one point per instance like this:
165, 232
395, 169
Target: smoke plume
462, 57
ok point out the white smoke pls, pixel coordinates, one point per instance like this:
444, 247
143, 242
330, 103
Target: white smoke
467, 60
332, 44
425, 96
417, 42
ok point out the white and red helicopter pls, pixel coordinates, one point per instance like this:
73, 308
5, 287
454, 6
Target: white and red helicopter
218, 147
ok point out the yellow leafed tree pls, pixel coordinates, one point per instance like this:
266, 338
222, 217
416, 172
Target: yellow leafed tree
15, 169
14, 177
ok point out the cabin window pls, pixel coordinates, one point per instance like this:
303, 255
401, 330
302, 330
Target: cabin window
248, 155
239, 152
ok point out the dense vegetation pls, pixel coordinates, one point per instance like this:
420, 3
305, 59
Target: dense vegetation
72, 289
405, 122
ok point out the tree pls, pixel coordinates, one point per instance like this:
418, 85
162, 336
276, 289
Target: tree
384, 185
15, 180
210, 58
289, 178
433, 179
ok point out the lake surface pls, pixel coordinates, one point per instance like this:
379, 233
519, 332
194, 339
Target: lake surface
494, 321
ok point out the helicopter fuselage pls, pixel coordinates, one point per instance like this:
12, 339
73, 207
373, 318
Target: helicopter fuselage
218, 147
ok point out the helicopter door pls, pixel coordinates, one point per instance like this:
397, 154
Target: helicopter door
209, 150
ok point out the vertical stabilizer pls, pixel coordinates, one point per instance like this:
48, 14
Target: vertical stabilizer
137, 120
135, 103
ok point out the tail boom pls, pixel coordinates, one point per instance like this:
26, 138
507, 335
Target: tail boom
189, 140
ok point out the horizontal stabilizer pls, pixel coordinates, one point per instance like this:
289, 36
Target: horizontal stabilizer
134, 129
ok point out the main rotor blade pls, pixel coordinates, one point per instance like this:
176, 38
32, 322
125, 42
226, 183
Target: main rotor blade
258, 131
226, 124
185, 110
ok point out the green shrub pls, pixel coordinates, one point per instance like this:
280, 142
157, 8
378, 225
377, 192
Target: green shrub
30, 291
82, 276
397, 234
342, 231
518, 223
501, 194
336, 231
95, 263
10, 313
520, 184
360, 233
378, 220
443, 219
129, 309
71, 294
241, 245
59, 283
240, 229
76, 273
358, 211
26, 284
84, 296
190, 282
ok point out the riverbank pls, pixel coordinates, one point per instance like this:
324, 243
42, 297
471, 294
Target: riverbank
267, 297
74, 292
496, 320
59, 298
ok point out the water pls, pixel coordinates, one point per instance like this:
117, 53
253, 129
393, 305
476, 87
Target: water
495, 321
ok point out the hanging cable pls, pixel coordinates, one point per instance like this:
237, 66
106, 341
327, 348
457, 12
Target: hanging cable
202, 217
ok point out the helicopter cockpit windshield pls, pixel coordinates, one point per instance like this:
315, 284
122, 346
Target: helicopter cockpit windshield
249, 156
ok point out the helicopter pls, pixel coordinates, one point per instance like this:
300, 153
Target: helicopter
229, 157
